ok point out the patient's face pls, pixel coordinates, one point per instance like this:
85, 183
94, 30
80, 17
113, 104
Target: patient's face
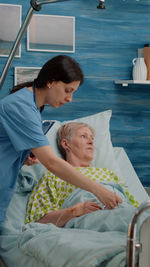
82, 144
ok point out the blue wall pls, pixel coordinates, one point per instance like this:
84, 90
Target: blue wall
106, 42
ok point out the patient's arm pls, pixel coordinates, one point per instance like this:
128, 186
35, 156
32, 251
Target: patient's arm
61, 217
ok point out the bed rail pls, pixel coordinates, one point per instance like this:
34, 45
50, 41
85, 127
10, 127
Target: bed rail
132, 245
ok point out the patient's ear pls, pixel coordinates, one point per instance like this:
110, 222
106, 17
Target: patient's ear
65, 144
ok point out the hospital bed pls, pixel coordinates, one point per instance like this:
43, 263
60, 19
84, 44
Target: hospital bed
12, 243
16, 239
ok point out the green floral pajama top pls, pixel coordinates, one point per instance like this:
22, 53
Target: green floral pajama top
50, 191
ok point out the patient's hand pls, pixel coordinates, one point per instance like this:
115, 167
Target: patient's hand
109, 199
61, 217
82, 208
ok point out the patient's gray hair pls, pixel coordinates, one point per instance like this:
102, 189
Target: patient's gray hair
67, 130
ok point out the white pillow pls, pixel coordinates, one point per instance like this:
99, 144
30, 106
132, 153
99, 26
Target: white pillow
104, 154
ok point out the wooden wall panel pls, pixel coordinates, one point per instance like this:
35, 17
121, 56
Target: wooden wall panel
106, 42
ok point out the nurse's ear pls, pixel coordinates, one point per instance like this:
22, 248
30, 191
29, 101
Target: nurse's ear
49, 85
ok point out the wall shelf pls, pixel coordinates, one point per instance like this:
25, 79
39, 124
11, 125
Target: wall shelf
127, 82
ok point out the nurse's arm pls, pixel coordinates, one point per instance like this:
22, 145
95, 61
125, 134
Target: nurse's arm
65, 171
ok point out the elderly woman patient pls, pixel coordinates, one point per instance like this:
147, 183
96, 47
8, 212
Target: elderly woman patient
55, 201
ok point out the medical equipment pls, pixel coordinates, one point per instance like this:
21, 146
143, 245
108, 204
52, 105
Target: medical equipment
35, 6
101, 4
141, 246
46, 125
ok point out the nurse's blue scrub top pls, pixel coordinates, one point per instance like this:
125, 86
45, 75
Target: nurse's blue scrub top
20, 130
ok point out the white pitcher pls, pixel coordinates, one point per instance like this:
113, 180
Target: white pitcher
139, 69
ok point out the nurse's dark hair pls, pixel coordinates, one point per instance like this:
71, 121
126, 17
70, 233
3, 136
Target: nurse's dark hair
60, 68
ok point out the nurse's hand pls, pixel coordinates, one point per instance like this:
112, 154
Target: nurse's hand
31, 160
109, 199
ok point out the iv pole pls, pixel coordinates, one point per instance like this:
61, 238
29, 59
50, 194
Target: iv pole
35, 6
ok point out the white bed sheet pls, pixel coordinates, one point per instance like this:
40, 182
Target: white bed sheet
129, 176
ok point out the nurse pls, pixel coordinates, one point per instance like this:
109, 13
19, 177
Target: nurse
21, 130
